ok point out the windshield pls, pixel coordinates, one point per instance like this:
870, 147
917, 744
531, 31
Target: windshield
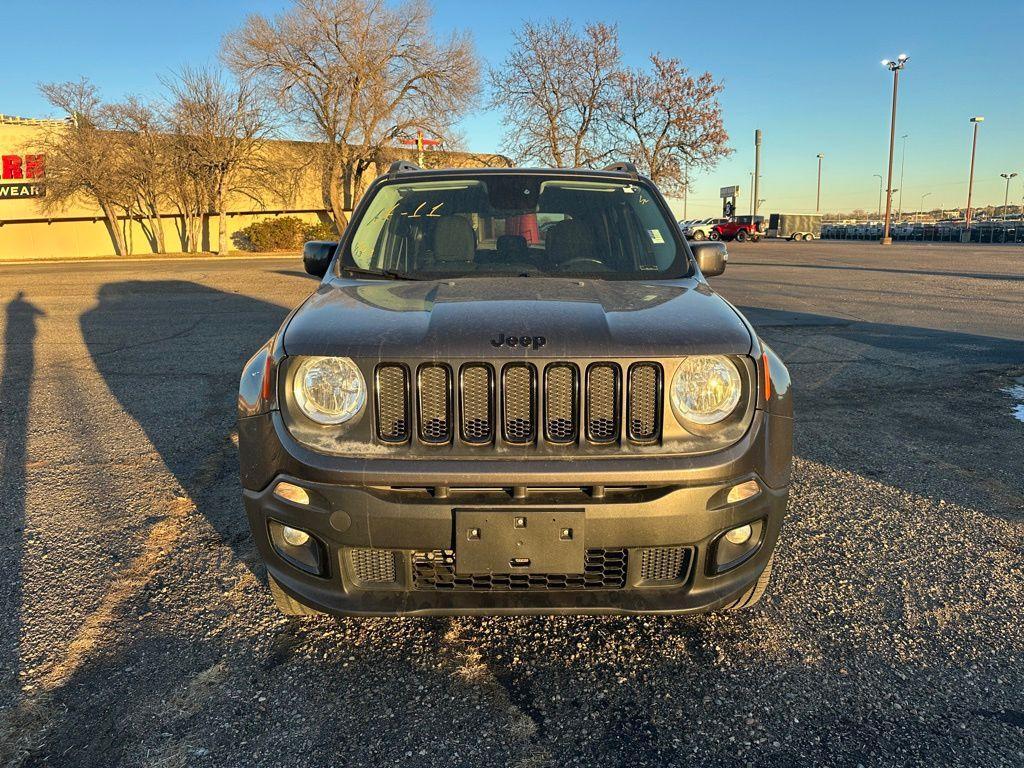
515, 224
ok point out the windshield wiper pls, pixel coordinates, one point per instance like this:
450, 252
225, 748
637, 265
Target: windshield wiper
387, 273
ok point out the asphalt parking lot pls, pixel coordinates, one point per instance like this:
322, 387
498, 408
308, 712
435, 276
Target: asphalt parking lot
136, 629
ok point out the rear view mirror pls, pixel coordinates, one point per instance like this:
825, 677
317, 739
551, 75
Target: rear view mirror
317, 255
712, 256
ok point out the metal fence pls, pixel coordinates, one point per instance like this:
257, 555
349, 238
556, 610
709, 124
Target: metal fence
941, 232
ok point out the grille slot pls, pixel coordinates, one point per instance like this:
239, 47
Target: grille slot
477, 417
602, 569
374, 566
665, 563
560, 403
602, 402
519, 402
393, 403
644, 401
434, 391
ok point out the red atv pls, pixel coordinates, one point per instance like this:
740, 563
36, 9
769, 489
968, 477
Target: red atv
741, 228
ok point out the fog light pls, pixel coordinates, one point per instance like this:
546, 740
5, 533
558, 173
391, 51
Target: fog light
736, 545
292, 492
735, 536
296, 538
742, 492
301, 549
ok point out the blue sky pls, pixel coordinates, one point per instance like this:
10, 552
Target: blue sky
807, 74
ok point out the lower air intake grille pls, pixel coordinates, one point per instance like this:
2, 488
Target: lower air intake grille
374, 566
602, 569
665, 563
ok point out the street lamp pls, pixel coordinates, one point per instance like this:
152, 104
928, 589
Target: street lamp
880, 180
978, 120
894, 67
903, 164
1006, 198
817, 205
921, 207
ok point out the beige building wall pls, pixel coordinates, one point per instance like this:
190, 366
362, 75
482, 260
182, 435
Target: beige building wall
80, 230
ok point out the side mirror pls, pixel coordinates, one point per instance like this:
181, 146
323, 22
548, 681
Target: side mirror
712, 256
317, 255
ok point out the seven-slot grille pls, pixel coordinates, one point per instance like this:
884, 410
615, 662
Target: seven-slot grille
519, 403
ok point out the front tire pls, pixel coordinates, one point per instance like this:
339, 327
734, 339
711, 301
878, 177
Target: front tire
753, 595
714, 236
287, 604
698, 235
741, 236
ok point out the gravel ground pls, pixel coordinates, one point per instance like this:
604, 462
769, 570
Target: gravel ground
137, 631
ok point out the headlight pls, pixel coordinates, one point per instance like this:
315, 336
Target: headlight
329, 390
706, 389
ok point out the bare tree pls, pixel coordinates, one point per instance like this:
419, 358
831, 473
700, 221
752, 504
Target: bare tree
222, 130
145, 161
83, 157
554, 89
668, 122
356, 74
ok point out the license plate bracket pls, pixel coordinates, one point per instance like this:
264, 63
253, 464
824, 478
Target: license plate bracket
519, 541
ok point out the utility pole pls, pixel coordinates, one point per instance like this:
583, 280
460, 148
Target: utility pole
880, 180
817, 204
903, 164
757, 169
977, 120
1006, 197
894, 67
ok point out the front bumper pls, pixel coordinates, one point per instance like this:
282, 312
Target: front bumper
639, 509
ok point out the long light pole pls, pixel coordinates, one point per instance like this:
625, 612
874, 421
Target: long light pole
921, 211
751, 194
1006, 197
894, 67
903, 165
977, 120
817, 205
880, 181
757, 170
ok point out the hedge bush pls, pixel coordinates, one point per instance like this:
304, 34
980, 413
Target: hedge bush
282, 233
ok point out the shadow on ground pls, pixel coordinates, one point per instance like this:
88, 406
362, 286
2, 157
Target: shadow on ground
15, 402
171, 352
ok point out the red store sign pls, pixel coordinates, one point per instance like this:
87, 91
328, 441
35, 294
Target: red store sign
14, 167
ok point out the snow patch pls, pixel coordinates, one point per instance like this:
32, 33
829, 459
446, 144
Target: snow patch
1016, 392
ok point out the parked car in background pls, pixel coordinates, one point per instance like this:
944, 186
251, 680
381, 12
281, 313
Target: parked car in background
741, 228
700, 229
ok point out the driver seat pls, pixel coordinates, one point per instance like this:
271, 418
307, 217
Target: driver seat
568, 240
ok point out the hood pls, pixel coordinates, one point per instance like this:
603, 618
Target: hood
475, 317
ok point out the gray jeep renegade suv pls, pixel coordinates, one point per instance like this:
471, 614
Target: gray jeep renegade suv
515, 392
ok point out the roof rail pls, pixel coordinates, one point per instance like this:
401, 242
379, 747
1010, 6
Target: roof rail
402, 166
624, 167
